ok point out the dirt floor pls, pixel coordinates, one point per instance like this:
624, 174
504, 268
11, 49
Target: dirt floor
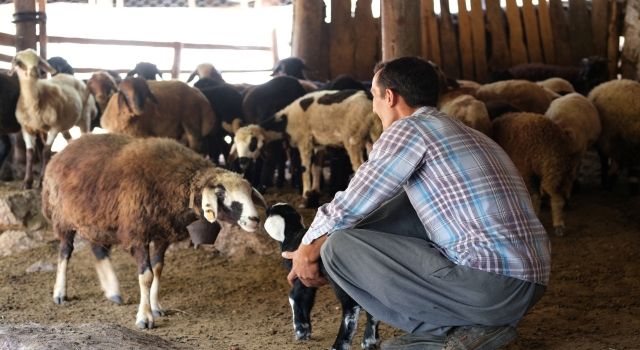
593, 300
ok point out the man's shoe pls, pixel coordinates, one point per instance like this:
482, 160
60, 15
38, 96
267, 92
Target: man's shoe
414, 341
480, 338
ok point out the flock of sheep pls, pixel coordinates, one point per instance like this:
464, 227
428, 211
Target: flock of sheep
139, 183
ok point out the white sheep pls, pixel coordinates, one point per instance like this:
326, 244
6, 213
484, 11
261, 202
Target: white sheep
619, 142
330, 118
577, 116
522, 94
50, 106
472, 112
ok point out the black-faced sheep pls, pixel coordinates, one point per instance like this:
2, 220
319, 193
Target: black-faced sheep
159, 108
619, 142
49, 106
285, 225
206, 70
145, 70
544, 155
312, 120
118, 190
591, 72
60, 65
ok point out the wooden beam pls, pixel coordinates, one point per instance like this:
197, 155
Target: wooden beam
479, 40
450, 56
630, 57
500, 57
177, 53
516, 38
613, 40
430, 32
367, 45
466, 46
309, 40
341, 39
560, 33
580, 30
546, 33
26, 25
599, 19
400, 28
531, 31
42, 26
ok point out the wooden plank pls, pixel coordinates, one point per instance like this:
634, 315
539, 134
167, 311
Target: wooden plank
546, 33
599, 22
7, 39
309, 37
560, 29
580, 30
465, 45
500, 57
479, 40
65, 39
449, 42
531, 31
400, 28
366, 45
516, 37
430, 31
612, 42
341, 39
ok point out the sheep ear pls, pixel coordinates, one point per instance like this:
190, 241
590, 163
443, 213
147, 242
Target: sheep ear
236, 124
228, 128
46, 66
233, 153
257, 198
210, 204
193, 75
12, 70
131, 73
123, 102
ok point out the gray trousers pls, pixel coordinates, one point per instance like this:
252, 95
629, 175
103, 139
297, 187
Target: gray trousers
388, 265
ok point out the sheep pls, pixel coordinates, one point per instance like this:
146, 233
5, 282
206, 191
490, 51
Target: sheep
591, 72
145, 70
206, 70
159, 108
619, 142
60, 65
115, 189
544, 156
285, 225
468, 110
9, 94
523, 95
311, 122
577, 116
102, 85
558, 85
47, 106
291, 67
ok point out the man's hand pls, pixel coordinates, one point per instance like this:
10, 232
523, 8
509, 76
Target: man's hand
306, 264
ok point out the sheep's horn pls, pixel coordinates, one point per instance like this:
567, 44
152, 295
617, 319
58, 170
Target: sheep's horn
193, 75
258, 198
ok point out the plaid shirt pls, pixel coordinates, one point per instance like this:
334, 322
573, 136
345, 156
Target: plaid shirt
468, 194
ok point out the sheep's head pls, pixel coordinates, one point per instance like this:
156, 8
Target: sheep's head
282, 218
228, 198
132, 95
206, 70
291, 66
594, 70
145, 70
249, 141
28, 65
102, 86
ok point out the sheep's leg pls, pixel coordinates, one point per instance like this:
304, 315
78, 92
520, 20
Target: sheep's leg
46, 151
355, 156
157, 263
316, 170
106, 275
305, 159
144, 318
557, 215
29, 142
301, 299
66, 248
371, 337
67, 135
349, 324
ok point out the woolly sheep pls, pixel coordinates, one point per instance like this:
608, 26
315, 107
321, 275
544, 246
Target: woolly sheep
285, 225
558, 85
159, 108
577, 116
48, 106
102, 85
118, 190
619, 142
543, 154
472, 112
523, 95
312, 120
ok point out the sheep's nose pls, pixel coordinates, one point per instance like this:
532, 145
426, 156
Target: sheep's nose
244, 162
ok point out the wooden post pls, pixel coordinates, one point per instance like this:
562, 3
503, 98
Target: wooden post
400, 28
466, 48
630, 56
500, 57
613, 42
177, 52
531, 31
560, 33
367, 51
546, 33
308, 41
599, 19
580, 30
24, 19
42, 26
430, 34
450, 56
479, 40
341, 39
516, 43
274, 46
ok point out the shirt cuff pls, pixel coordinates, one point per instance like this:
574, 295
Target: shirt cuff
316, 232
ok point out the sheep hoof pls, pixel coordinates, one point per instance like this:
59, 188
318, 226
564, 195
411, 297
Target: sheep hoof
116, 299
303, 336
559, 231
159, 312
144, 324
59, 300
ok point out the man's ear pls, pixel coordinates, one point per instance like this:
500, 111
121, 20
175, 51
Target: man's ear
390, 97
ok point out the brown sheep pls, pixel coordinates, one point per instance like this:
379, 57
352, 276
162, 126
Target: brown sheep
159, 108
102, 86
115, 189
545, 156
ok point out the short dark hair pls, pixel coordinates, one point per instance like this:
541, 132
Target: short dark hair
413, 78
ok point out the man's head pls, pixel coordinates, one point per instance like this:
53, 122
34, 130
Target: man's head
402, 85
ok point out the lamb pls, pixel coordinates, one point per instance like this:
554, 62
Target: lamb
521, 94
119, 190
619, 142
285, 225
102, 85
544, 156
159, 108
206, 70
145, 70
48, 106
311, 122
558, 85
577, 116
468, 110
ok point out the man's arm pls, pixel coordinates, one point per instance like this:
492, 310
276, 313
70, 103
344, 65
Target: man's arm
306, 265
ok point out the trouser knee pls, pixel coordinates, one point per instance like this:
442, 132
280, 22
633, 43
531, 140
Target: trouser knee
331, 249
